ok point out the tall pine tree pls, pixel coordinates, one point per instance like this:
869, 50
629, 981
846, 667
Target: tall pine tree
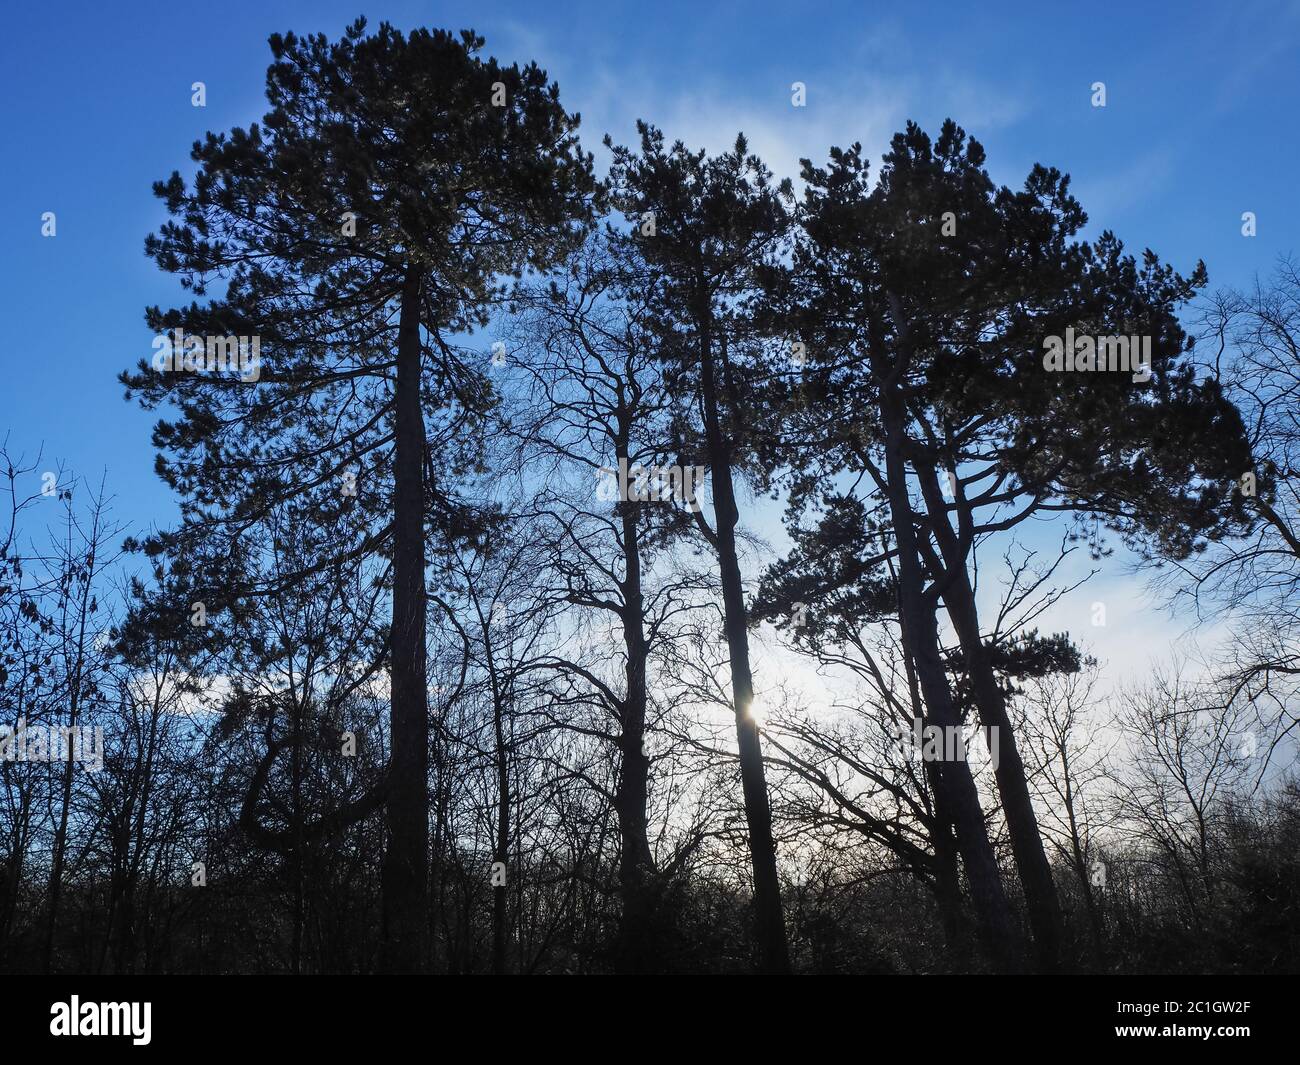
392, 189
927, 303
703, 224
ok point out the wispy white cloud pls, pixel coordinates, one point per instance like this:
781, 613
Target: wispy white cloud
855, 100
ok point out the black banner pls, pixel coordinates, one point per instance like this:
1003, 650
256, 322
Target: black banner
338, 1014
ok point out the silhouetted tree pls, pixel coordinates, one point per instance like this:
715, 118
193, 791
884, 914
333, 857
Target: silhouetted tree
925, 304
394, 183
703, 225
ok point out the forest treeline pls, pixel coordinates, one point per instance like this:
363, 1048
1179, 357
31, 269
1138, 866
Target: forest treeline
449, 662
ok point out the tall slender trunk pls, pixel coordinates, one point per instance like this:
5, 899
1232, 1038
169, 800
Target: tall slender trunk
502, 690
1096, 926
441, 831
137, 840
12, 873
637, 941
758, 814
954, 782
947, 892
1013, 785
404, 875
55, 891
10, 877
296, 862
943, 837
74, 706
501, 852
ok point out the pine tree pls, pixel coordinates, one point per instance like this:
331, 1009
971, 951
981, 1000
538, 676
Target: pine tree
393, 187
703, 225
926, 304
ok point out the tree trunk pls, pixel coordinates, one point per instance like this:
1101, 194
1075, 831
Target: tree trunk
1095, 925
404, 876
501, 852
637, 948
955, 784
947, 879
1013, 786
947, 889
296, 860
758, 814
74, 705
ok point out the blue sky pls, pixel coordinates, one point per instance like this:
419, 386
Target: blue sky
1200, 125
